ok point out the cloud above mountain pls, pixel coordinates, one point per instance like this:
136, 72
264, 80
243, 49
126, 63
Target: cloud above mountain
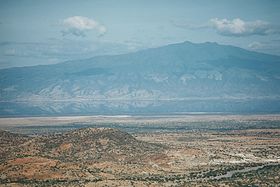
233, 28
239, 27
79, 26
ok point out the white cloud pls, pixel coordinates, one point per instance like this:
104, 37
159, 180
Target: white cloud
235, 27
78, 26
239, 27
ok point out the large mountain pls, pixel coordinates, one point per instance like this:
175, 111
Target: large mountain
183, 71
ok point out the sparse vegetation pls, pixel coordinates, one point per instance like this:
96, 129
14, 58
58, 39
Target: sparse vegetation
217, 154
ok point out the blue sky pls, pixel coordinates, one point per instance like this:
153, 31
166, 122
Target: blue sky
45, 32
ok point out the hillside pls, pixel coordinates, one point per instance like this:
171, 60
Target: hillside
90, 144
10, 141
75, 155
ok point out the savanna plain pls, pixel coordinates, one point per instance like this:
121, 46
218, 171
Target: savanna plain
176, 150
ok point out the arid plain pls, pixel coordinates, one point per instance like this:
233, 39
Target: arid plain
181, 150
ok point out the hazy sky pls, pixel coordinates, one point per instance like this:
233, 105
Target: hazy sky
44, 32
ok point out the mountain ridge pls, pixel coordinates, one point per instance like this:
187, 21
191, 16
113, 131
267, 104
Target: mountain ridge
182, 71
143, 50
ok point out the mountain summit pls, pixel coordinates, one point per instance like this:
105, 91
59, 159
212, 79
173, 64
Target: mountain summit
183, 71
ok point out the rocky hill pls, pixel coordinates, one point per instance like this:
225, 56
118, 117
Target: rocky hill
90, 145
81, 155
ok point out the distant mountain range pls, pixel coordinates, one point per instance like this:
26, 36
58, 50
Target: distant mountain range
183, 71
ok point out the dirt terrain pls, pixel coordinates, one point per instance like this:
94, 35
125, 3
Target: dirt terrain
220, 151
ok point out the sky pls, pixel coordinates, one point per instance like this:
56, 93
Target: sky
35, 32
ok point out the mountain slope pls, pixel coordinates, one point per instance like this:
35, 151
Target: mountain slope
193, 70
183, 71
